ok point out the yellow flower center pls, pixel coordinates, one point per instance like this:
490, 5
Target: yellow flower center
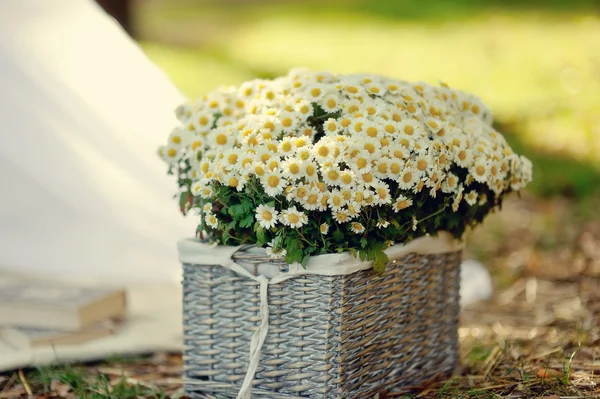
367, 177
315, 92
270, 126
346, 179
273, 181
370, 148
312, 199
372, 131
480, 170
286, 146
266, 215
294, 168
259, 170
361, 163
221, 139
232, 159
323, 151
407, 177
421, 164
233, 182
301, 192
331, 103
171, 152
293, 218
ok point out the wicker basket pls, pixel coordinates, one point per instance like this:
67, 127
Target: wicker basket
348, 336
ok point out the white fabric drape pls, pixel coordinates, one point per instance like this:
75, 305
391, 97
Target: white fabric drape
82, 112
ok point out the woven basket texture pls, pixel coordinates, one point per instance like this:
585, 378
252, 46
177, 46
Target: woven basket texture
350, 336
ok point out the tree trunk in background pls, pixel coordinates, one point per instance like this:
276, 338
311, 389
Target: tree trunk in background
119, 10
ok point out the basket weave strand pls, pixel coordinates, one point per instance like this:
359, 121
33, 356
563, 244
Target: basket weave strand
349, 336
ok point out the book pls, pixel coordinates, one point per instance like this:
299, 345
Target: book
57, 306
24, 337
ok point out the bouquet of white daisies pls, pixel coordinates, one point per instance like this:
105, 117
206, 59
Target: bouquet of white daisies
314, 163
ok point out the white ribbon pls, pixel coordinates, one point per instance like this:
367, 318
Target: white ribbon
192, 251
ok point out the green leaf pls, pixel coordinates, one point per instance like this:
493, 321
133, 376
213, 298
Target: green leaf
380, 259
338, 235
362, 254
363, 242
247, 206
247, 221
261, 237
305, 260
293, 255
186, 200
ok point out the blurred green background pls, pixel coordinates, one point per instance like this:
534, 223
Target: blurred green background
536, 63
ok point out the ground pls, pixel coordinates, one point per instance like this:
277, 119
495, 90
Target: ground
535, 63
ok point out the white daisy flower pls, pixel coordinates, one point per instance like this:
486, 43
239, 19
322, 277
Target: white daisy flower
408, 178
196, 188
324, 228
293, 218
480, 169
275, 253
266, 216
402, 202
332, 175
207, 208
458, 198
341, 216
336, 200
415, 223
273, 183
211, 220
357, 228
286, 146
382, 193
293, 168
289, 121
304, 108
331, 103
471, 197
382, 224
331, 127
